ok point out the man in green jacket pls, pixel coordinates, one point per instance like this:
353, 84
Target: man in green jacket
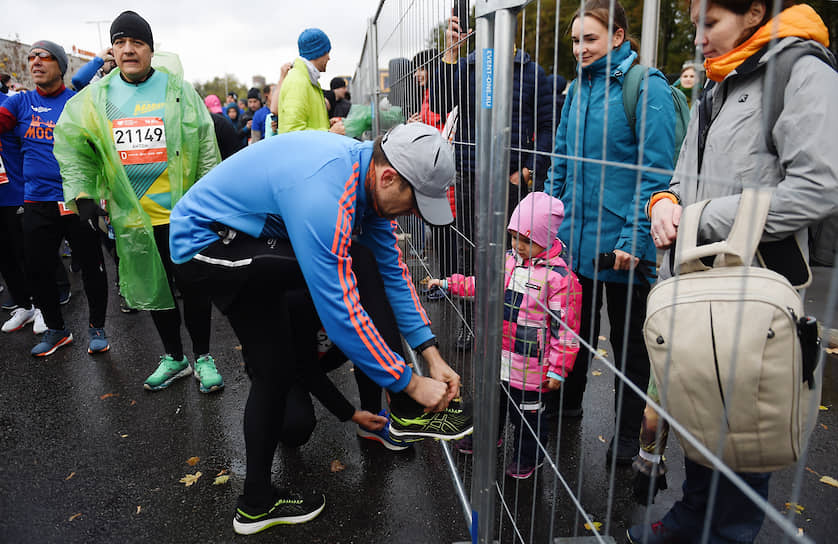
301, 102
138, 139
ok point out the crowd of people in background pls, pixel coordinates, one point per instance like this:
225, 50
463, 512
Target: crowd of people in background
307, 245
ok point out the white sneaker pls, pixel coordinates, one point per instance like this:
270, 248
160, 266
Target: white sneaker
40, 326
20, 318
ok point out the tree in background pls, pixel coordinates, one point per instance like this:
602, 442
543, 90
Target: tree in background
220, 86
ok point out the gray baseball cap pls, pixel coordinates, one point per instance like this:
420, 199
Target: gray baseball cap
421, 156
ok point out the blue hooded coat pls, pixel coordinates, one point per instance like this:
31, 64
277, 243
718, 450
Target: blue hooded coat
604, 205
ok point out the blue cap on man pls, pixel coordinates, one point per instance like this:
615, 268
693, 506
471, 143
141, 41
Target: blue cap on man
313, 43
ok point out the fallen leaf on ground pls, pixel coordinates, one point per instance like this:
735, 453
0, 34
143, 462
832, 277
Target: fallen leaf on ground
69, 476
800, 531
832, 351
139, 508
190, 479
337, 466
822, 408
74, 516
812, 471
602, 352
108, 395
597, 526
829, 480
601, 439
238, 348
220, 480
602, 338
123, 436
825, 427
596, 373
222, 472
793, 505
192, 461
133, 402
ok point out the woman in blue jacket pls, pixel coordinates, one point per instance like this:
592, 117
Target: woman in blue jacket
595, 173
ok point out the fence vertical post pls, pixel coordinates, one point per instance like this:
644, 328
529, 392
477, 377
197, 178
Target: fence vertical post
649, 37
495, 50
375, 90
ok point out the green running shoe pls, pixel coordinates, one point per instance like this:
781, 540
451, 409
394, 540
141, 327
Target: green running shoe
289, 507
453, 423
168, 371
207, 375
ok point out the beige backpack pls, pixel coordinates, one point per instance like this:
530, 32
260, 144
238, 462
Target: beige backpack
724, 347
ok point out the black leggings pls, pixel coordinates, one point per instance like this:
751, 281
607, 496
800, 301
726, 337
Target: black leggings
43, 229
197, 308
249, 280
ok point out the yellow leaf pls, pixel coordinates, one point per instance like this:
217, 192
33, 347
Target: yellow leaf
829, 481
192, 461
123, 436
70, 476
602, 352
74, 516
823, 408
139, 508
597, 526
601, 439
832, 351
596, 373
219, 480
793, 505
337, 466
190, 479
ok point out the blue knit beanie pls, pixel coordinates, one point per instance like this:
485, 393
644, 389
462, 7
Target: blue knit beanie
313, 43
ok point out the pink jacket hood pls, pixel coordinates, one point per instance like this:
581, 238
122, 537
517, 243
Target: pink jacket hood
538, 217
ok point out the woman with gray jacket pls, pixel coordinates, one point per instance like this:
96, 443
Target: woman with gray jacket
731, 144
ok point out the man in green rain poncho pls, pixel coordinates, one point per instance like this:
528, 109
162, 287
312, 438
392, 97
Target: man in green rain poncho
138, 139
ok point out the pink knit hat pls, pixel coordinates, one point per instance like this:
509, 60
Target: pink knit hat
213, 103
538, 217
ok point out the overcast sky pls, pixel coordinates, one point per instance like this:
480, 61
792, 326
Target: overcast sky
211, 37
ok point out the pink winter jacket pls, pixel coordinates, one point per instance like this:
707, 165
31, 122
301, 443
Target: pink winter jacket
534, 341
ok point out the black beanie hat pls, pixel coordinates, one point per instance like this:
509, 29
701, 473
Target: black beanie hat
254, 93
129, 24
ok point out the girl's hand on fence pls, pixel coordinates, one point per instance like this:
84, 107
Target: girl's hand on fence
666, 216
368, 420
434, 282
624, 261
553, 384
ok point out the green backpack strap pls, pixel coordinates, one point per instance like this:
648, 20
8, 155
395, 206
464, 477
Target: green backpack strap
632, 80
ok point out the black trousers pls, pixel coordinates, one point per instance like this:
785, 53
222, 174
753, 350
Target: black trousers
11, 249
197, 307
637, 359
249, 281
43, 229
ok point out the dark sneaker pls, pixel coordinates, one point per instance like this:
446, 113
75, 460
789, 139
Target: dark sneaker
436, 293
51, 341
98, 341
383, 437
453, 423
289, 507
464, 339
520, 470
466, 445
167, 371
64, 296
124, 308
654, 534
626, 449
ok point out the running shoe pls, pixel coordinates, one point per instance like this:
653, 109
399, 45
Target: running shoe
98, 340
39, 326
288, 507
383, 436
168, 371
520, 470
453, 423
51, 341
436, 293
466, 445
207, 375
19, 319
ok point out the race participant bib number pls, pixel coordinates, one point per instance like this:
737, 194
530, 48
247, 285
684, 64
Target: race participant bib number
140, 140
3, 177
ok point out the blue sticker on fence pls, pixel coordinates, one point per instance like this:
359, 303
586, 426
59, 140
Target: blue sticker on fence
488, 77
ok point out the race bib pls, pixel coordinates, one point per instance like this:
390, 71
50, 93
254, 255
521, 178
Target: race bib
140, 140
3, 177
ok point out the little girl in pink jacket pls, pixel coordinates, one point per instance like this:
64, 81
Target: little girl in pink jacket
542, 308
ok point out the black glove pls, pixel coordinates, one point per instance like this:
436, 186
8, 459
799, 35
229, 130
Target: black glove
644, 471
91, 214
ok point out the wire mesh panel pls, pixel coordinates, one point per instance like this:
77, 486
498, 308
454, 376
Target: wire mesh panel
630, 306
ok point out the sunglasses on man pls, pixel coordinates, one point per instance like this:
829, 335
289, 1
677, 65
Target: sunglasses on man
43, 55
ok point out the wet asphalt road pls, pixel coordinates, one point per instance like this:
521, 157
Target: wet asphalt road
86, 455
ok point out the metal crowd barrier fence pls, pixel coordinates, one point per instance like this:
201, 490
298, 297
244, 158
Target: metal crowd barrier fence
406, 64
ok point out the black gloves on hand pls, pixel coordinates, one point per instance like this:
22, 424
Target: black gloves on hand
644, 472
91, 214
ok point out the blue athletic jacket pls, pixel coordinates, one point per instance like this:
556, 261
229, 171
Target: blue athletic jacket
581, 184
309, 187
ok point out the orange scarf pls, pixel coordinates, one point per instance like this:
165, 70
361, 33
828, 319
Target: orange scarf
800, 20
